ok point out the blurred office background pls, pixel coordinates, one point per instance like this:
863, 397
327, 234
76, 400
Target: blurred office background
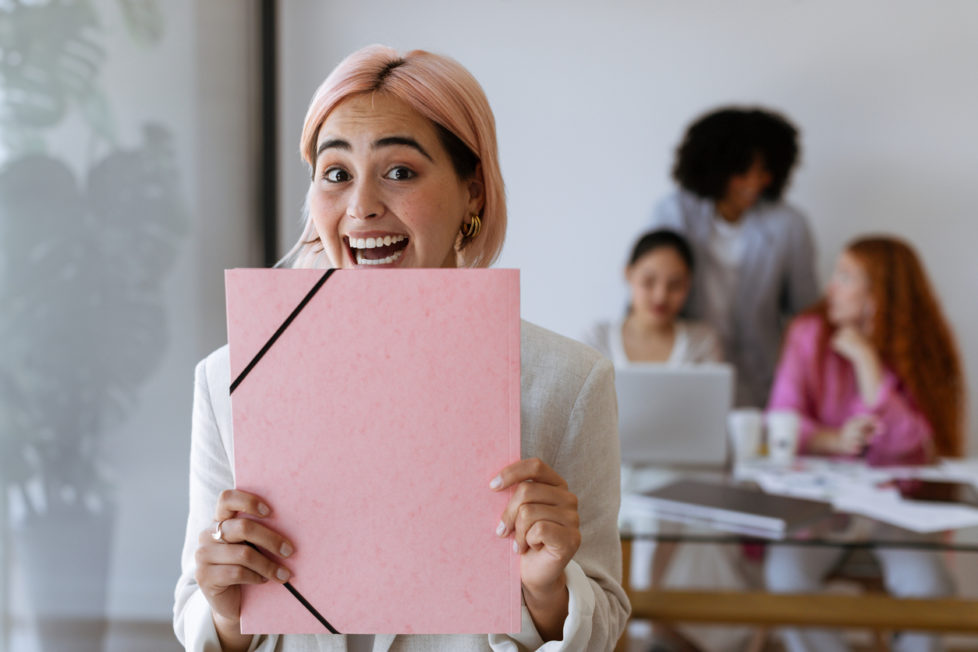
137, 162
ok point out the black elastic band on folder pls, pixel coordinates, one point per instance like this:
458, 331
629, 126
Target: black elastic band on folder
281, 329
237, 381
312, 609
305, 603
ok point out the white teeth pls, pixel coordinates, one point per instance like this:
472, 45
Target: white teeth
379, 241
383, 261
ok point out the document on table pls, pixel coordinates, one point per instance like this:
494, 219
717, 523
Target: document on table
371, 408
918, 516
852, 486
813, 478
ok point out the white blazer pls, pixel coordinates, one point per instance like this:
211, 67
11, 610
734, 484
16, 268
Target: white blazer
569, 420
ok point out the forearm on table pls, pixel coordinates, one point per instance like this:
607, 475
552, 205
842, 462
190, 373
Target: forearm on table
906, 436
824, 441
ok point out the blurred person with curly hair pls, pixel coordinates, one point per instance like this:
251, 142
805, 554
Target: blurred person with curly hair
754, 251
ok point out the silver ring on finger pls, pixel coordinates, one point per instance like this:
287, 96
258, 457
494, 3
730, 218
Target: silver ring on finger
217, 534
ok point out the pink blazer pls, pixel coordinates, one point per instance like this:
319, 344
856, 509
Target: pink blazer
905, 434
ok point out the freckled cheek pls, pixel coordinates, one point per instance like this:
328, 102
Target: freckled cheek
428, 214
846, 303
325, 217
317, 206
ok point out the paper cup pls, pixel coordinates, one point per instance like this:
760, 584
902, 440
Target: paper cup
745, 428
782, 435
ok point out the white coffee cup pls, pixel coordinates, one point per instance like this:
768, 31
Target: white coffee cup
783, 427
745, 427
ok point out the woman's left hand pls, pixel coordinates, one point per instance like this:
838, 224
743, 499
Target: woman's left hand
542, 517
855, 347
851, 344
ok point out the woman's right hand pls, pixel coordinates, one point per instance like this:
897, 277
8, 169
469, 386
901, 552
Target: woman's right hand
856, 433
849, 440
223, 566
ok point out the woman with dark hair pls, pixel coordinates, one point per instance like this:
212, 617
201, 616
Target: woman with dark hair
754, 252
873, 372
659, 274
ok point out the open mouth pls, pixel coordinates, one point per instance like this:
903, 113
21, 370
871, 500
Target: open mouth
378, 250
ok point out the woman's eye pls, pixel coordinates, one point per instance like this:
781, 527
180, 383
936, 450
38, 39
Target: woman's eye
336, 175
400, 173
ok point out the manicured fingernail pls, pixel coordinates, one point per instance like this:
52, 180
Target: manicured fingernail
516, 547
496, 483
500, 529
263, 509
285, 550
282, 574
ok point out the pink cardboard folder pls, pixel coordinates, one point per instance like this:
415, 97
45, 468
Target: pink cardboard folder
372, 424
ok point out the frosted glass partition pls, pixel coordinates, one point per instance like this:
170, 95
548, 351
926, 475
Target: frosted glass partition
127, 174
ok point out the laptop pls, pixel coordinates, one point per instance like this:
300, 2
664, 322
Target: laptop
674, 416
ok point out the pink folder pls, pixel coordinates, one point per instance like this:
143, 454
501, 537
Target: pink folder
372, 423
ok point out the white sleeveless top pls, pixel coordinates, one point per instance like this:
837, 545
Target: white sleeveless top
696, 342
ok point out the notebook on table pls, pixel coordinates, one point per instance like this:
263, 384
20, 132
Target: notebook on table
730, 509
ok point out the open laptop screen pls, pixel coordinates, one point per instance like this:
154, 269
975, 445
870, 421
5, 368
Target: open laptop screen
670, 415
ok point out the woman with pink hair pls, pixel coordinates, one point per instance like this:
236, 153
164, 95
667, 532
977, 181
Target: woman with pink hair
405, 174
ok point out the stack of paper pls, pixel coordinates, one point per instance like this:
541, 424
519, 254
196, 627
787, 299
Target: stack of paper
853, 487
887, 506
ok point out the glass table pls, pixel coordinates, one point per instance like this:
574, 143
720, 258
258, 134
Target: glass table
874, 610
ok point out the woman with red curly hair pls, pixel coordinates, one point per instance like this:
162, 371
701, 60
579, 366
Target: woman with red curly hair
873, 372
873, 369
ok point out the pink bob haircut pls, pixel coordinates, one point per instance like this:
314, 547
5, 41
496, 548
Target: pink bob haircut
440, 89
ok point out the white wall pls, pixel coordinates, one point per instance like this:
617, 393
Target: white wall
590, 102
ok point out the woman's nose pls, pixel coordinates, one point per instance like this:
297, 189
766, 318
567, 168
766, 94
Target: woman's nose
832, 291
659, 293
365, 202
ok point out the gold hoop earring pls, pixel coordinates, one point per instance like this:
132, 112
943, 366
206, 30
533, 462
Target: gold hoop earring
471, 230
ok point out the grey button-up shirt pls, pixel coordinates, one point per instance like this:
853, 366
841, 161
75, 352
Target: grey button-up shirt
776, 280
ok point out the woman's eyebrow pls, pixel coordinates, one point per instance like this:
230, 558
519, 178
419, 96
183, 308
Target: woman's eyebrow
387, 141
332, 143
406, 141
